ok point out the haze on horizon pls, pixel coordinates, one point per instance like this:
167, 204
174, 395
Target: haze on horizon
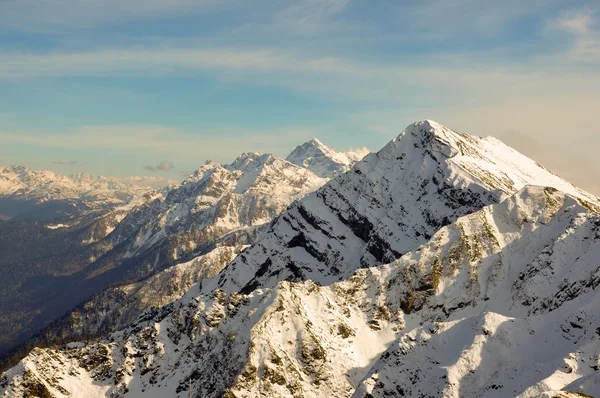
154, 88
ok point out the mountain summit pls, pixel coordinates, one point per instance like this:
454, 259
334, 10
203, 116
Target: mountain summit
322, 160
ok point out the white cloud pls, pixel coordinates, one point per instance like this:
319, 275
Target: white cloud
581, 27
327, 76
68, 163
576, 22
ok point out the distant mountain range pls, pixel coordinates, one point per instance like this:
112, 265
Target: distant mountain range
443, 265
44, 195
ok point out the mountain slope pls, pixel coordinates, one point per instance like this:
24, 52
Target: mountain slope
217, 208
36, 257
386, 205
516, 317
436, 308
295, 315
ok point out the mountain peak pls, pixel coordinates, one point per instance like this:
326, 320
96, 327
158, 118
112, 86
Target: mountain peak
429, 130
320, 159
316, 142
249, 161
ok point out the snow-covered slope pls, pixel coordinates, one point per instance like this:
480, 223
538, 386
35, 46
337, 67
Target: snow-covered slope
322, 160
45, 194
437, 249
218, 199
508, 302
217, 210
117, 306
497, 304
386, 205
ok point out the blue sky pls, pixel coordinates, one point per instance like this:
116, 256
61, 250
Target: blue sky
111, 87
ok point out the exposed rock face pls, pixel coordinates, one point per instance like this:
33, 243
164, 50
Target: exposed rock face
432, 268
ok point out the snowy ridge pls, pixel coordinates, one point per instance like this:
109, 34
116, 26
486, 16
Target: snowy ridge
41, 186
208, 218
322, 160
445, 317
435, 267
509, 300
218, 199
45, 195
388, 204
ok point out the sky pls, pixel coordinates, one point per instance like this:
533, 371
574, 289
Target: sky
156, 87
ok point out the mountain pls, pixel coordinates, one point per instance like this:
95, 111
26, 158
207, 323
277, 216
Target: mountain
467, 258
216, 209
39, 258
117, 306
496, 304
386, 205
45, 195
322, 160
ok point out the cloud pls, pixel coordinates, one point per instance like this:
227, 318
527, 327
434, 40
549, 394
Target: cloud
54, 16
68, 163
361, 152
167, 61
310, 16
575, 22
441, 19
165, 165
581, 27
327, 76
218, 143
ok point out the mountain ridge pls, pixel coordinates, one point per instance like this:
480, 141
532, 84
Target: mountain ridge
438, 236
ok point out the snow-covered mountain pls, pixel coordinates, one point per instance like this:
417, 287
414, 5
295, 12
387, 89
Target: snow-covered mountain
30, 194
217, 210
443, 265
386, 205
324, 161
116, 307
214, 201
497, 304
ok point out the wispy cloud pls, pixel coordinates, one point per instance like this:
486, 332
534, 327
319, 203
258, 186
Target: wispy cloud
578, 22
441, 19
581, 25
328, 75
49, 16
221, 144
310, 16
68, 163
165, 165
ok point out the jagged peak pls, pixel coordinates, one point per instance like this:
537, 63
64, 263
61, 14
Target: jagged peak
316, 142
14, 167
431, 134
322, 160
248, 161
